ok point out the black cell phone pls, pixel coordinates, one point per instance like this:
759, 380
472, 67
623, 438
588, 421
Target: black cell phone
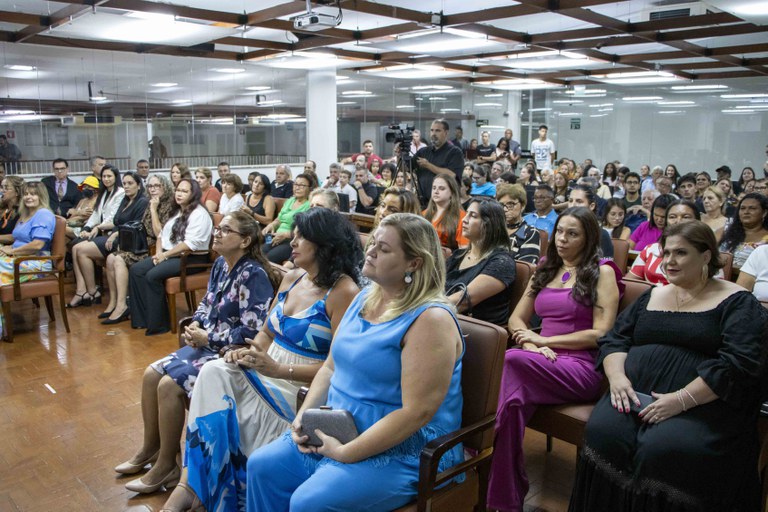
645, 401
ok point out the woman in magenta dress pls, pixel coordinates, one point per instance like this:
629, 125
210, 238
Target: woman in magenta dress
576, 296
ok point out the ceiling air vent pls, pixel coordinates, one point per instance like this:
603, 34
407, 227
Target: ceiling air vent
664, 10
672, 13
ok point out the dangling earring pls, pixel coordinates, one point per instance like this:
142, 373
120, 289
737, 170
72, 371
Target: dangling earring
704, 273
408, 277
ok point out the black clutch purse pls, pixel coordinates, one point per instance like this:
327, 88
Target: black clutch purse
336, 423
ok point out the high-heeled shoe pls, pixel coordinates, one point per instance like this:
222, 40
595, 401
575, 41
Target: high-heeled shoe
96, 295
194, 505
85, 300
170, 480
129, 468
105, 314
122, 318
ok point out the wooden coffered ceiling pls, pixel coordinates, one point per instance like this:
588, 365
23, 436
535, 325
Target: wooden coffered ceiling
706, 43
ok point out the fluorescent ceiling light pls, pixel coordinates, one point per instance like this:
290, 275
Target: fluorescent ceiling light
267, 103
450, 110
752, 107
346, 103
671, 111
164, 84
19, 67
414, 71
357, 93
698, 87
232, 71
673, 103
16, 112
405, 106
642, 98
586, 92
494, 95
609, 109
437, 98
518, 84
570, 113
544, 60
487, 104
450, 40
598, 115
566, 102
493, 127
279, 116
638, 77
543, 109
182, 101
742, 96
97, 98
598, 105
258, 88
440, 88
734, 111
753, 9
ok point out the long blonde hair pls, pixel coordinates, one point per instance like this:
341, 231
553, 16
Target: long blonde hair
41, 191
419, 240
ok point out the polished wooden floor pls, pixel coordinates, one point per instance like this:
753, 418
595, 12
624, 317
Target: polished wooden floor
69, 412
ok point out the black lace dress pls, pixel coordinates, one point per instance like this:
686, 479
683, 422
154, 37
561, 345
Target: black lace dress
704, 459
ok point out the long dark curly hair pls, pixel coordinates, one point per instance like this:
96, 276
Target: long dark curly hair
584, 289
180, 226
248, 227
338, 250
735, 234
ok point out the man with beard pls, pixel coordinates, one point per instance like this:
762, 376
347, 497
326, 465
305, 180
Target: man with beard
438, 158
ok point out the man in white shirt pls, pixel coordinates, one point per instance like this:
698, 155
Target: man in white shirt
332, 181
543, 150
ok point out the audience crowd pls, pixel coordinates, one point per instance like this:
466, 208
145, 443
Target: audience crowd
296, 296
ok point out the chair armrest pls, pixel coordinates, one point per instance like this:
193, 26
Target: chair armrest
185, 265
17, 272
435, 449
182, 324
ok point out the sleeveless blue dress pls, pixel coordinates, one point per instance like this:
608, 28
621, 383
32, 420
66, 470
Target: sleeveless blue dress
235, 410
366, 382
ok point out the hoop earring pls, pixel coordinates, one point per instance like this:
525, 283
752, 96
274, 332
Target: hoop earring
408, 277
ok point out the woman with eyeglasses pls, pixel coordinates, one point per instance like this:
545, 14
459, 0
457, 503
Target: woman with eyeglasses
13, 190
277, 234
232, 311
188, 230
156, 214
524, 239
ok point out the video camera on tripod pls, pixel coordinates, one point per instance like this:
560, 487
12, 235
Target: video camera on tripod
401, 135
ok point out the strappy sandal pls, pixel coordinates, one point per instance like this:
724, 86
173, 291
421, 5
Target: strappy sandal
85, 300
195, 506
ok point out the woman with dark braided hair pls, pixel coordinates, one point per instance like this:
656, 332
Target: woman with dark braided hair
188, 229
233, 309
576, 296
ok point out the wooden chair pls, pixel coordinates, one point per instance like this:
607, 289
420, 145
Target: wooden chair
47, 287
567, 421
187, 283
480, 381
543, 241
363, 221
279, 202
620, 253
726, 258
523, 273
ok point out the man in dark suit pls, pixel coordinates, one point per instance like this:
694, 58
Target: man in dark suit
63, 193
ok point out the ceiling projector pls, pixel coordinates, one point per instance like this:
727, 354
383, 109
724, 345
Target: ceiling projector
315, 21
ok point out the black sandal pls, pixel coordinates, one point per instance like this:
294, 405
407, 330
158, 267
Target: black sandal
85, 300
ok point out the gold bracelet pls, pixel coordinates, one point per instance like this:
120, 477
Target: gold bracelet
290, 372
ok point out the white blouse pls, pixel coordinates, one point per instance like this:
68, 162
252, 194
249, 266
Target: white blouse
105, 211
198, 233
227, 205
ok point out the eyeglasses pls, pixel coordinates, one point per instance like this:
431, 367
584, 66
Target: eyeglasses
59, 169
154, 185
296, 185
510, 205
224, 231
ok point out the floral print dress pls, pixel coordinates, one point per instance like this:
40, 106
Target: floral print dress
234, 308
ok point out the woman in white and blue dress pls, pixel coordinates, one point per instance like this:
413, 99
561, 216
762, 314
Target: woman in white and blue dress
233, 309
248, 398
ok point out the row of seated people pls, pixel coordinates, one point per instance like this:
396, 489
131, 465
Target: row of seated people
695, 345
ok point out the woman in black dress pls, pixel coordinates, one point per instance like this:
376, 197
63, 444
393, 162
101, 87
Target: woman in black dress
697, 347
479, 278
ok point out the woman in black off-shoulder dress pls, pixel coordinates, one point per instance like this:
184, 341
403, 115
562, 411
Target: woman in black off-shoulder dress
698, 345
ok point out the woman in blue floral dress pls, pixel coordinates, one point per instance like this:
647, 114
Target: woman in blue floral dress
248, 398
233, 309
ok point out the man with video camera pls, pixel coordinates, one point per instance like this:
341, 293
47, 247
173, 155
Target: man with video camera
440, 157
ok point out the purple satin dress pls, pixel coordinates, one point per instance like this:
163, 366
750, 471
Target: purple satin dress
530, 379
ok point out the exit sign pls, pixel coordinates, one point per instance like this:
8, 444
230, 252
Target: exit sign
482, 122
